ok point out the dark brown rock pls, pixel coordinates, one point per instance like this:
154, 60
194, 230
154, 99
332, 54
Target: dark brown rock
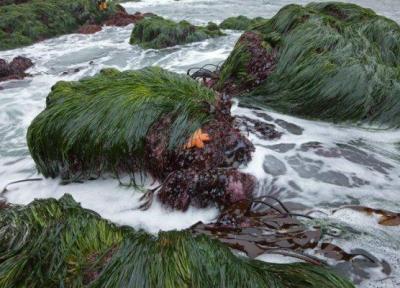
15, 69
122, 18
89, 29
206, 187
201, 176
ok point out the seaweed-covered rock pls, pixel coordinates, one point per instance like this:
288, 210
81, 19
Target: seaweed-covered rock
241, 22
53, 243
35, 20
332, 61
134, 121
15, 69
250, 63
8, 2
100, 123
156, 32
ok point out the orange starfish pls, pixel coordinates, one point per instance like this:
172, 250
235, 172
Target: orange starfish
103, 6
197, 140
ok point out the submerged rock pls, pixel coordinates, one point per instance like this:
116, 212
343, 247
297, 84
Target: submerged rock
92, 252
156, 33
332, 61
241, 23
32, 21
274, 166
15, 69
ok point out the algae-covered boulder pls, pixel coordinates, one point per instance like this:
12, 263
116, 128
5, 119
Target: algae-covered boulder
241, 22
35, 20
100, 123
156, 32
53, 243
148, 121
330, 61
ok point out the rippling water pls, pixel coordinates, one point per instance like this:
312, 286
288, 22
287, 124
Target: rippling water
314, 164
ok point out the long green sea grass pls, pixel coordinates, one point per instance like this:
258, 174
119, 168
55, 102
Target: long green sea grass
99, 124
53, 243
335, 62
241, 23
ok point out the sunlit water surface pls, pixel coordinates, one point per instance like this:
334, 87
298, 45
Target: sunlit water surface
314, 164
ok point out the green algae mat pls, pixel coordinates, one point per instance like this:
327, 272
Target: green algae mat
52, 243
99, 124
156, 33
329, 61
27, 23
241, 23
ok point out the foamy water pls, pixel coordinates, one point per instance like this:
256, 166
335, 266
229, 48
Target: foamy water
318, 165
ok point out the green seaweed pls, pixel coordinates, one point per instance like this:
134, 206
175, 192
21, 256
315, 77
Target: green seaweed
29, 22
241, 23
334, 61
156, 33
99, 124
52, 243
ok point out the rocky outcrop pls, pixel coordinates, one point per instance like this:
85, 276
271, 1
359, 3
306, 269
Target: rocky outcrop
330, 61
151, 120
92, 252
32, 21
156, 33
15, 69
89, 29
119, 19
241, 22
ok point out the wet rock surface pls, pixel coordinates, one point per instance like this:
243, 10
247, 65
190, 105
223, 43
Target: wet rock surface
262, 129
255, 61
122, 18
281, 148
290, 127
119, 19
313, 169
202, 176
348, 152
89, 29
274, 166
206, 187
15, 69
